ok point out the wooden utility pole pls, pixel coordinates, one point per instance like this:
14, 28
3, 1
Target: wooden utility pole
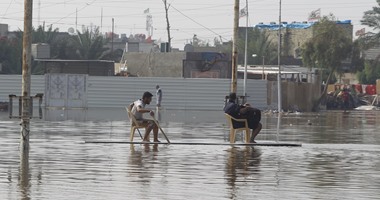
26, 70
168, 24
246, 50
235, 48
279, 95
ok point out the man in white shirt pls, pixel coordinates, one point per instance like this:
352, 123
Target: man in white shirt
158, 96
139, 109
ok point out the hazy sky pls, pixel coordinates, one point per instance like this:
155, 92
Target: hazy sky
186, 16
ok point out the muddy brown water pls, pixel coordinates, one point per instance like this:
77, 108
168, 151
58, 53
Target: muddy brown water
339, 159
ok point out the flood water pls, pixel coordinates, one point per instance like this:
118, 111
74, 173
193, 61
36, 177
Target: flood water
339, 159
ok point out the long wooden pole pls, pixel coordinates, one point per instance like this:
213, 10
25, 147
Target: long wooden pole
26, 70
162, 131
246, 51
279, 96
235, 48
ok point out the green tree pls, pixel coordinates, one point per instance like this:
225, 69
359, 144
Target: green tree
326, 50
10, 55
370, 73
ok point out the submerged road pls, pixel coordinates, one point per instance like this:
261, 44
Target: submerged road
339, 158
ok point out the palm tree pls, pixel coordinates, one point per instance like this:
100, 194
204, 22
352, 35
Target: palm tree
371, 70
90, 44
260, 44
371, 18
40, 35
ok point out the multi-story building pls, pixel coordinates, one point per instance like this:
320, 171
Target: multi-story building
296, 34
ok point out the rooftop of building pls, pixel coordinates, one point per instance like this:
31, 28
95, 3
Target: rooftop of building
293, 25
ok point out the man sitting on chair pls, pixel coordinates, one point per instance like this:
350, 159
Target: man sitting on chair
245, 111
138, 109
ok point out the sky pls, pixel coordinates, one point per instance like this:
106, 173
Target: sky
205, 18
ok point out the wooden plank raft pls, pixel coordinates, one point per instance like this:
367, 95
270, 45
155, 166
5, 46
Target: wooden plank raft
267, 144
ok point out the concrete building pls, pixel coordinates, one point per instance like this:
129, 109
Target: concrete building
90, 67
41, 51
154, 64
207, 65
290, 73
3, 30
372, 53
296, 34
178, 64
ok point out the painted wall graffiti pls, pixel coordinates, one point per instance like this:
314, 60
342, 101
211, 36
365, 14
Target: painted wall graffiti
207, 65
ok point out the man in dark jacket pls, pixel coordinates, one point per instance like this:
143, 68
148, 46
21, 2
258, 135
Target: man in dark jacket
245, 111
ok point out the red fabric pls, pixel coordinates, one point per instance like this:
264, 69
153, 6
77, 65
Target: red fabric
345, 96
370, 89
359, 88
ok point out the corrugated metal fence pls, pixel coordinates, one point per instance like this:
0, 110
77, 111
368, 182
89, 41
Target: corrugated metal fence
178, 93
11, 84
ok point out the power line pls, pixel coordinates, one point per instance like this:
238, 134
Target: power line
87, 4
6, 11
47, 6
198, 22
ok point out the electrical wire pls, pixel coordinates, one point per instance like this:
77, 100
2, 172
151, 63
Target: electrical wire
205, 27
87, 4
6, 11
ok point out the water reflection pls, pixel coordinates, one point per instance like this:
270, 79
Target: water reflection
158, 114
278, 127
327, 171
79, 115
141, 160
24, 175
242, 163
62, 167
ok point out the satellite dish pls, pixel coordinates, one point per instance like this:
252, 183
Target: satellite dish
71, 31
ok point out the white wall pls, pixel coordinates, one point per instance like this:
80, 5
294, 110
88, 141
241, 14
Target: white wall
178, 93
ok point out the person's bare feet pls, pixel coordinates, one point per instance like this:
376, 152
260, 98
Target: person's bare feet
157, 141
146, 141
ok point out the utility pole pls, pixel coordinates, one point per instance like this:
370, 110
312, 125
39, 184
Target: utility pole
101, 21
246, 52
167, 6
279, 95
26, 71
76, 19
234, 48
39, 12
113, 29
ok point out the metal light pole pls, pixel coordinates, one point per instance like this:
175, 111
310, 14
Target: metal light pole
26, 71
234, 48
113, 29
279, 61
246, 53
262, 77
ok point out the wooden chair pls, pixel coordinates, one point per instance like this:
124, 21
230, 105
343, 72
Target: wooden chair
134, 123
233, 130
